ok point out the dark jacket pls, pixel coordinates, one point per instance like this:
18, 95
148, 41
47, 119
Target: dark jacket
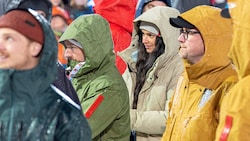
33, 109
185, 5
62, 81
141, 4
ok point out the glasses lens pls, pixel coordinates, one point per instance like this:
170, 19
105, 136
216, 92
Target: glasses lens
181, 31
184, 34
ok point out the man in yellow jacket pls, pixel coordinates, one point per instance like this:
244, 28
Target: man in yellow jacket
205, 39
234, 124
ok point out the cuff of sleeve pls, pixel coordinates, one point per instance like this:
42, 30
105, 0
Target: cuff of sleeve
133, 117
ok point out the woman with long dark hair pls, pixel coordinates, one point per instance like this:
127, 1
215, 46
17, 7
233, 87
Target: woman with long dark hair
146, 60
154, 66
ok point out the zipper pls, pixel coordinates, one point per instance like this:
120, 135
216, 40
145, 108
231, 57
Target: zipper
20, 129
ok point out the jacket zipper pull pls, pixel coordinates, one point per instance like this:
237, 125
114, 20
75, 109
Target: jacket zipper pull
20, 128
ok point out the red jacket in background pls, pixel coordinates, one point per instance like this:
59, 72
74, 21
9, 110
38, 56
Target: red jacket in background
120, 15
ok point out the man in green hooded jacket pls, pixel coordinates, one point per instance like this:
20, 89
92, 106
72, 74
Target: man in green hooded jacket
99, 85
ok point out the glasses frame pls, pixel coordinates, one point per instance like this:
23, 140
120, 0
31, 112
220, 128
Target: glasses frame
185, 33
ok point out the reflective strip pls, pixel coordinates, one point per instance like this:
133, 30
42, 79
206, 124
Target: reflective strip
94, 106
205, 97
227, 128
65, 97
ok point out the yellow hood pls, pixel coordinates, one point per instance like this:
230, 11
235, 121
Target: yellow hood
217, 36
240, 49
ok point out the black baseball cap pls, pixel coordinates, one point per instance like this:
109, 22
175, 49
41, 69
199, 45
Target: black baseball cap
179, 22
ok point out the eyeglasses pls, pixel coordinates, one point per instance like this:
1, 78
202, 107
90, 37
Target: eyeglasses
185, 33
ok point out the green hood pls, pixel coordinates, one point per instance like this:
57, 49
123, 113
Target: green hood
99, 77
98, 50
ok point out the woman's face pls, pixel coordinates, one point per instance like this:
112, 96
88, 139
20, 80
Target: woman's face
149, 40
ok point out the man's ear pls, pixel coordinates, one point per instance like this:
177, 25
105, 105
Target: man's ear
35, 49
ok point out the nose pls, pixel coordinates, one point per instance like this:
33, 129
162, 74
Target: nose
68, 53
144, 39
181, 38
2, 47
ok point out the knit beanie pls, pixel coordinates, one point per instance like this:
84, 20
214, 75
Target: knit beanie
23, 22
150, 27
76, 43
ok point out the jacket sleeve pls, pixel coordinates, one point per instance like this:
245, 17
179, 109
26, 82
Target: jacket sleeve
149, 122
234, 119
101, 110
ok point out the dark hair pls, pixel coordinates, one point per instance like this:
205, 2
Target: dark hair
144, 62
